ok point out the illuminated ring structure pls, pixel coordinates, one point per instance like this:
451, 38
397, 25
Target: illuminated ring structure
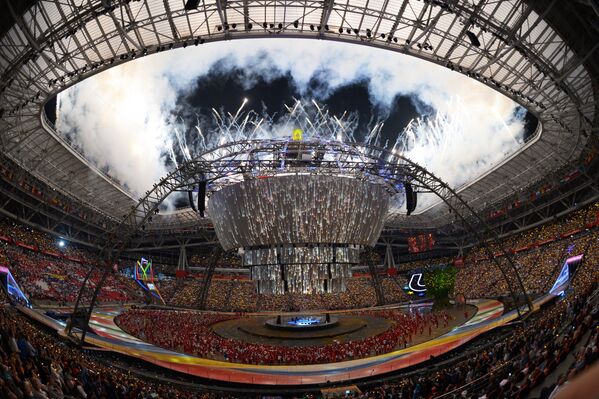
54, 44
228, 163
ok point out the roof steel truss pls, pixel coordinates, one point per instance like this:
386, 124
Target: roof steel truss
56, 44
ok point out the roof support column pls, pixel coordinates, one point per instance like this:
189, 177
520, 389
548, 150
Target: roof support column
182, 263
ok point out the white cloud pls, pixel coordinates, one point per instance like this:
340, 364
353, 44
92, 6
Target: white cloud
123, 121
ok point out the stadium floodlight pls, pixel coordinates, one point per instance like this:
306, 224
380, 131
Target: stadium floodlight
473, 39
191, 4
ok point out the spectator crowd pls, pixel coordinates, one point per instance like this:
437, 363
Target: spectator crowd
513, 366
538, 255
50, 273
35, 363
45, 278
239, 295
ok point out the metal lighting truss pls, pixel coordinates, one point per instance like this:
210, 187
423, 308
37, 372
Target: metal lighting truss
237, 160
56, 44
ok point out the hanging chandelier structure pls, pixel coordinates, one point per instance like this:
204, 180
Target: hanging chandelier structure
301, 212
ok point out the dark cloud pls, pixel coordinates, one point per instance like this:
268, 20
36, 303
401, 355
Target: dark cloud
223, 88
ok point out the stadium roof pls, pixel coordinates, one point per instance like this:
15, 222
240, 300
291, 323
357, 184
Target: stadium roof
507, 45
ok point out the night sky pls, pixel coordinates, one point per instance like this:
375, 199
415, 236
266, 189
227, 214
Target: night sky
224, 90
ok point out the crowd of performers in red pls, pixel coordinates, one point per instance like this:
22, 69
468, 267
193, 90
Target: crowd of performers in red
194, 335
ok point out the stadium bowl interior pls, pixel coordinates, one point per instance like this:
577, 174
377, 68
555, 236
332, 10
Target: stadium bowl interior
317, 262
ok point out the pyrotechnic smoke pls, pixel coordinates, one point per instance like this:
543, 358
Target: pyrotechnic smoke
122, 119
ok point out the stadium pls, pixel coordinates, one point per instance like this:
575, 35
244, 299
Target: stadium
361, 199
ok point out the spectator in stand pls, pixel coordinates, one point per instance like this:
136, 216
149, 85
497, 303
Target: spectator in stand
40, 366
45, 278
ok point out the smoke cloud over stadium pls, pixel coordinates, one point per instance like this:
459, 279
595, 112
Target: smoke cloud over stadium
126, 121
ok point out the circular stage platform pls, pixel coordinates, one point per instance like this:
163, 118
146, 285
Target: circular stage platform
340, 329
301, 323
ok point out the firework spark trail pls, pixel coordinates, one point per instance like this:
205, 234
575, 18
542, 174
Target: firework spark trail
173, 157
317, 123
202, 142
182, 143
429, 141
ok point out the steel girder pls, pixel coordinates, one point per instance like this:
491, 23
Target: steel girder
202, 297
374, 277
